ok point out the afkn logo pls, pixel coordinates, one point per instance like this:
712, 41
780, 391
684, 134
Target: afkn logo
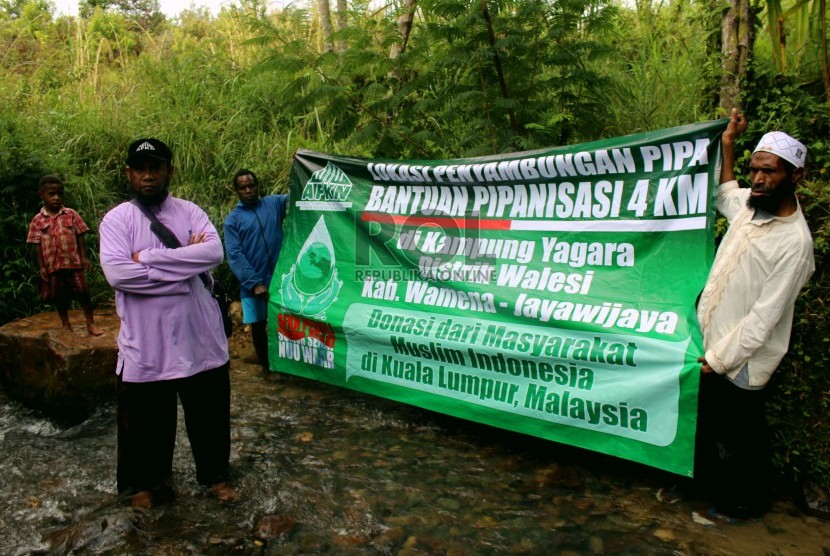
329, 185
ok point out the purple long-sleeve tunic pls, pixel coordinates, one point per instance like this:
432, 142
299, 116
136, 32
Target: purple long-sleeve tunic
170, 325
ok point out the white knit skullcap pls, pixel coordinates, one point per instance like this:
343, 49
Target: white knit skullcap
781, 144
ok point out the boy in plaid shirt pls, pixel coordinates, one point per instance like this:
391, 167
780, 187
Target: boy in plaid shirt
57, 233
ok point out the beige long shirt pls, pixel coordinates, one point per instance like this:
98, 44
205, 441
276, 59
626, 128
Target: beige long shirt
746, 308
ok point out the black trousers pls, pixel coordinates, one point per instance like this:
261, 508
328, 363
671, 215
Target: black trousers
259, 337
732, 456
147, 428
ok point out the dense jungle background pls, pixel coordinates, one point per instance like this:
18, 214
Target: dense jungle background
406, 79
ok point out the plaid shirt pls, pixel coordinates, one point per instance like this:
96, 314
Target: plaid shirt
58, 238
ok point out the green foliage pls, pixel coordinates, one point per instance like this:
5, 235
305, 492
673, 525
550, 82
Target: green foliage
452, 92
659, 75
793, 32
21, 166
143, 14
801, 405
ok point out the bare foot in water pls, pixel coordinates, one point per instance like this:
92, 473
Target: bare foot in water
142, 500
93, 330
224, 492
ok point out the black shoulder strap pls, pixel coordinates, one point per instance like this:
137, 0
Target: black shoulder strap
167, 237
165, 234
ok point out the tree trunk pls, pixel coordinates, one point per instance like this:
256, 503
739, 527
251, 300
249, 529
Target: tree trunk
497, 62
825, 65
738, 34
405, 26
342, 19
325, 24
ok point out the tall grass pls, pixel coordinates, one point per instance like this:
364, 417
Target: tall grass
659, 76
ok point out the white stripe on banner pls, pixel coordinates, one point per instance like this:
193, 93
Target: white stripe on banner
696, 223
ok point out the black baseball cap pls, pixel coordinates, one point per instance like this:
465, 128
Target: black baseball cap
149, 148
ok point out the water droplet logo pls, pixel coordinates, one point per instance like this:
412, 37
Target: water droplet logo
311, 285
314, 269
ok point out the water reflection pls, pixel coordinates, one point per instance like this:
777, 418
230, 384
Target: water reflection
329, 471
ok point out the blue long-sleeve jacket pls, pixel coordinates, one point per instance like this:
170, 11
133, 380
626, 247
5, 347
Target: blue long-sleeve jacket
253, 238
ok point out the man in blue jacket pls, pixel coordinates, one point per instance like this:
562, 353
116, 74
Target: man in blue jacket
253, 238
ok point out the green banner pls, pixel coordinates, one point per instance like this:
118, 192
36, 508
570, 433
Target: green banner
549, 292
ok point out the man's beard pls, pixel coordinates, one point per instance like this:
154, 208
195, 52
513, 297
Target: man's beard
770, 203
154, 199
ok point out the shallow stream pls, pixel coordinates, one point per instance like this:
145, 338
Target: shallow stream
329, 471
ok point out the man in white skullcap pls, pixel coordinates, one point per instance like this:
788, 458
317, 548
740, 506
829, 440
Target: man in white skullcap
745, 314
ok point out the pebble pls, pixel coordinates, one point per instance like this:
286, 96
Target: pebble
273, 526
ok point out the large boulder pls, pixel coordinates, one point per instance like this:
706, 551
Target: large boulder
65, 374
